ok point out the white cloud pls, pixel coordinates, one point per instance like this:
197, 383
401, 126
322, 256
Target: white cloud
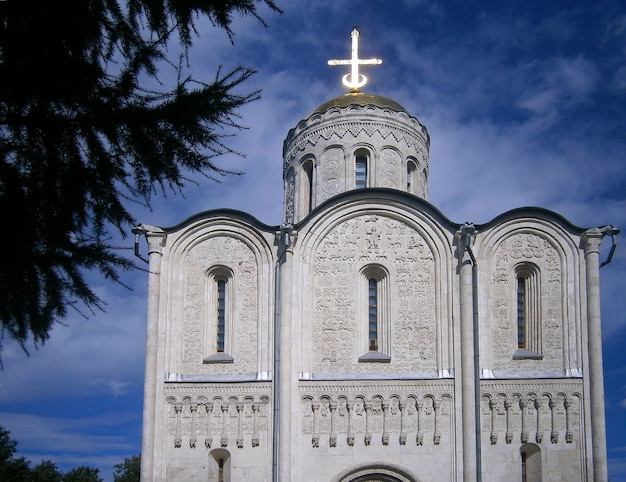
101, 347
116, 387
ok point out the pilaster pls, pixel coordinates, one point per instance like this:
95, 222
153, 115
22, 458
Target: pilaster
468, 386
592, 240
286, 379
156, 241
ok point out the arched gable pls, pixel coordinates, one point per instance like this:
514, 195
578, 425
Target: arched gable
217, 251
411, 250
534, 294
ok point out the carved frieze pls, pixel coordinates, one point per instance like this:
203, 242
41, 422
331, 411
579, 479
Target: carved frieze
390, 417
205, 417
537, 414
413, 138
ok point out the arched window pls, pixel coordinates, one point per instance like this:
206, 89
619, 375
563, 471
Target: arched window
219, 465
372, 284
411, 176
374, 307
361, 165
307, 186
528, 311
530, 463
219, 315
522, 312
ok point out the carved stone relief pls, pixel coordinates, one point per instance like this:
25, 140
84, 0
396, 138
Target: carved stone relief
218, 419
234, 253
290, 194
348, 247
341, 418
532, 248
390, 169
331, 174
548, 417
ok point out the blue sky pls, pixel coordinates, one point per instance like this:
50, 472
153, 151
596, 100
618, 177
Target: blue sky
525, 103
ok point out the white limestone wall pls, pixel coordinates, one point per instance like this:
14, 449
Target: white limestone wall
208, 409
349, 425
350, 414
542, 415
537, 403
206, 422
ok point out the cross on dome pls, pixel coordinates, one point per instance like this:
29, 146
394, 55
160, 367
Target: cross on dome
354, 80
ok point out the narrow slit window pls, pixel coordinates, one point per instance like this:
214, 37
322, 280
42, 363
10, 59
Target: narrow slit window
308, 193
527, 311
521, 312
411, 177
220, 470
530, 463
373, 314
221, 315
374, 306
360, 172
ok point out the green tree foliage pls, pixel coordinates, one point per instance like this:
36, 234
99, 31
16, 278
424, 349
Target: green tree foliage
12, 468
46, 471
81, 137
82, 474
128, 470
17, 469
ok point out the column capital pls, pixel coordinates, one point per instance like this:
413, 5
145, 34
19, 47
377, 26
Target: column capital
155, 237
592, 238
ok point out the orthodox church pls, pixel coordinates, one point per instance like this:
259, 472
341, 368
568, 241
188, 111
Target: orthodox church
368, 337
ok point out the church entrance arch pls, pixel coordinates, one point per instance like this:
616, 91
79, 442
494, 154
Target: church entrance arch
376, 478
376, 473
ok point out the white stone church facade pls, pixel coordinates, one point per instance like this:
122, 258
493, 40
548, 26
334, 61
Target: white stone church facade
340, 345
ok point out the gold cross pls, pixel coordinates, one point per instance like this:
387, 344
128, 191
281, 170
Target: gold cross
354, 81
